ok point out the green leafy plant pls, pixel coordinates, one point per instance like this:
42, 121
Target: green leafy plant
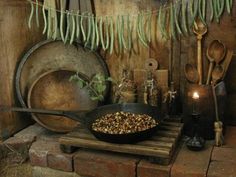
96, 85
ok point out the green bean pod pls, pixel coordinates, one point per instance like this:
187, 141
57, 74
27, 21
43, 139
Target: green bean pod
176, 13
107, 33
184, 19
142, 28
101, 33
111, 36
93, 32
55, 25
44, 20
215, 5
221, 8
129, 33
82, 26
204, 9
194, 11
200, 13
67, 26
49, 30
122, 32
89, 25
139, 31
149, 26
96, 31
77, 25
37, 12
72, 36
228, 6
231, 4
119, 33
31, 14
172, 23
164, 21
159, 17
212, 10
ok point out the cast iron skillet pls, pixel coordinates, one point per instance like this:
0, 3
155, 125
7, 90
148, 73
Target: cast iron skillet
87, 118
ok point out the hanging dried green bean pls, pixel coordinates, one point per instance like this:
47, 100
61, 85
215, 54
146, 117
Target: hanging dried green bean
82, 26
231, 4
93, 32
72, 36
142, 27
228, 6
149, 19
49, 30
44, 20
204, 9
107, 33
122, 32
101, 33
212, 10
118, 32
111, 36
55, 25
159, 22
164, 23
67, 26
62, 23
96, 31
37, 12
77, 25
89, 25
172, 26
176, 13
200, 12
31, 14
221, 8
138, 26
215, 6
193, 11
129, 33
184, 18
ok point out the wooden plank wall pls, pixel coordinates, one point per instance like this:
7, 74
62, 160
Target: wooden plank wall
15, 39
182, 51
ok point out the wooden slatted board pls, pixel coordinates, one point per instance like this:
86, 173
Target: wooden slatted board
159, 148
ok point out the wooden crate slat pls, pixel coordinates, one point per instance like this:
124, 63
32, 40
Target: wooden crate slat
124, 148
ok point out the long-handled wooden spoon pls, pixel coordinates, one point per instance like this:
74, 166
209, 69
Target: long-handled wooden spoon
199, 29
215, 53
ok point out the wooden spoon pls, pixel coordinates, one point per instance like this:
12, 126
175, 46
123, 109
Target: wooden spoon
217, 74
215, 53
191, 73
199, 29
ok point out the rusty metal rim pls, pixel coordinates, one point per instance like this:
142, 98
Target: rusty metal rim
34, 48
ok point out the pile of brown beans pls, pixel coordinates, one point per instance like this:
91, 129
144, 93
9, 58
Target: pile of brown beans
123, 123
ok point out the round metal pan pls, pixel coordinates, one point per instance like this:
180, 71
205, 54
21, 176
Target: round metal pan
54, 55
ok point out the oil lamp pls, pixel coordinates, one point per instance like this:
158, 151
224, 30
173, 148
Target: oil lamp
196, 142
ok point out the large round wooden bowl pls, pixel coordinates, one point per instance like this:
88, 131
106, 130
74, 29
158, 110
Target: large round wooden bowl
53, 90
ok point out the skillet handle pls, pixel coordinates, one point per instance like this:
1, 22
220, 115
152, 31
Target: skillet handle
77, 116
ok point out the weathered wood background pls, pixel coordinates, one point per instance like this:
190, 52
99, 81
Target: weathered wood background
16, 38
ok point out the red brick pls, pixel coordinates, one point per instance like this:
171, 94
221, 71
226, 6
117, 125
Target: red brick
48, 154
224, 154
60, 161
104, 164
192, 163
230, 136
221, 169
147, 169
